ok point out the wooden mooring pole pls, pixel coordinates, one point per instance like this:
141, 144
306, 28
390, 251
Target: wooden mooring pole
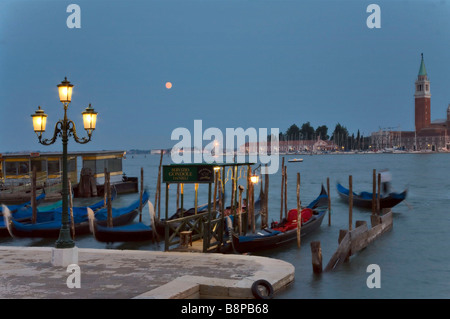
216, 179
241, 189
285, 192
329, 201
178, 197
251, 207
108, 202
316, 253
182, 199
33, 196
248, 205
141, 194
350, 202
378, 195
282, 187
158, 187
196, 198
105, 185
266, 199
374, 183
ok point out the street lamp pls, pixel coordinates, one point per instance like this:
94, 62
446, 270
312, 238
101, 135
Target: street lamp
254, 179
64, 128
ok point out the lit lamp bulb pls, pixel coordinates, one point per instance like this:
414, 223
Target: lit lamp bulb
39, 121
254, 179
89, 119
65, 91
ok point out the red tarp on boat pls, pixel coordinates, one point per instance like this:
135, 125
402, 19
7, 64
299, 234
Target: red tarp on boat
291, 222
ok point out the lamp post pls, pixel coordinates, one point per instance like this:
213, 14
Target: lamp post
64, 128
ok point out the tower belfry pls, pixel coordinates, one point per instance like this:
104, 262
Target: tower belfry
422, 98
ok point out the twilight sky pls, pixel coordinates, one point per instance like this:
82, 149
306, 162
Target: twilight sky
232, 63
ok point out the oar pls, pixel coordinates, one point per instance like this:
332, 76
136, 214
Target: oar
407, 204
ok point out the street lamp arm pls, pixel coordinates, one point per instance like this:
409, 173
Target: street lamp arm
58, 130
72, 131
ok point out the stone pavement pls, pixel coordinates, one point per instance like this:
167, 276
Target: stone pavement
27, 272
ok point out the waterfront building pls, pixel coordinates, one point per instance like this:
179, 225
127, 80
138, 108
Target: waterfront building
428, 135
292, 146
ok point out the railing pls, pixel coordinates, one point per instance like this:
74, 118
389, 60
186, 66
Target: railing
214, 233
194, 223
202, 227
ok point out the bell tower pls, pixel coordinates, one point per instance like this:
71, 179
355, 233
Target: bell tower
422, 98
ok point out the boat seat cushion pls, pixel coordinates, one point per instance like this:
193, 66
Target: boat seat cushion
291, 222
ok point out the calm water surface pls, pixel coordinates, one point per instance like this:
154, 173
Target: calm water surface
414, 257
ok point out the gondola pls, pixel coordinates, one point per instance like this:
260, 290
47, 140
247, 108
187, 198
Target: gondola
51, 229
14, 208
364, 199
134, 232
48, 213
285, 231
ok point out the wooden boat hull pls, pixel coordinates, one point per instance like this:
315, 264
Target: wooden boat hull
389, 201
14, 208
4, 231
48, 216
52, 230
280, 239
250, 243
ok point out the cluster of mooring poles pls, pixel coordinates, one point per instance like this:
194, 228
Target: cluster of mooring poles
352, 240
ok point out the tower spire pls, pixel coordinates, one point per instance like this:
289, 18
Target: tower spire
422, 70
422, 98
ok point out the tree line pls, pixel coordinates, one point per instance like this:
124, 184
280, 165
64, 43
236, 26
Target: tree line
340, 136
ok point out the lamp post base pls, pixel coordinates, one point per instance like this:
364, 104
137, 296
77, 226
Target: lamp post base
63, 257
64, 240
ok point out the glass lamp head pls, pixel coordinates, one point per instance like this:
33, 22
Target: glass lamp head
39, 121
254, 179
65, 91
89, 119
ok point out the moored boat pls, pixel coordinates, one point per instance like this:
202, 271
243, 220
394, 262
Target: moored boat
364, 199
14, 208
124, 233
50, 229
285, 231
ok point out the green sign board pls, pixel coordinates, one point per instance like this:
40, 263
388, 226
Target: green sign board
188, 174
